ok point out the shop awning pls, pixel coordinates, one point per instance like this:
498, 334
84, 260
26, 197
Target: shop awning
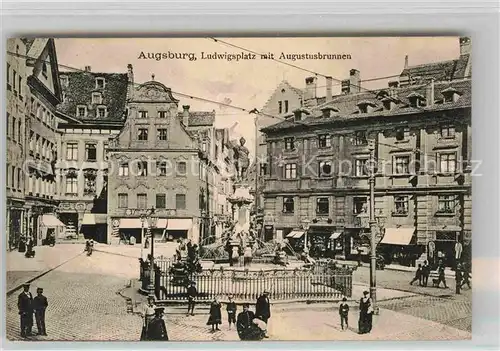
335, 235
162, 223
132, 223
179, 224
295, 234
398, 236
51, 221
94, 218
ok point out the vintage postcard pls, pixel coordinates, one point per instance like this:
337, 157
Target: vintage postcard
209, 189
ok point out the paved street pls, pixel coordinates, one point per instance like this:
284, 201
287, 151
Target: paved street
435, 304
85, 304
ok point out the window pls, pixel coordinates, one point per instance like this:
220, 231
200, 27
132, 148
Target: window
14, 125
161, 201
360, 138
143, 114
96, 98
400, 205
324, 141
447, 162
181, 169
161, 167
448, 132
401, 164
142, 201
101, 111
280, 107
162, 134
263, 169
90, 152
289, 144
180, 201
143, 168
44, 69
13, 177
20, 86
446, 204
122, 200
19, 179
286, 106
81, 111
325, 169
360, 165
400, 134
99, 83
162, 114
8, 77
290, 171
71, 183
14, 79
288, 204
90, 176
123, 169
359, 205
322, 205
142, 134
71, 151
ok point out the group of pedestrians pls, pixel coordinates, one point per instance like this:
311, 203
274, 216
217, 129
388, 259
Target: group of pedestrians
462, 276
154, 327
29, 305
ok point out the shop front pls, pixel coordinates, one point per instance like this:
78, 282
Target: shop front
398, 247
443, 248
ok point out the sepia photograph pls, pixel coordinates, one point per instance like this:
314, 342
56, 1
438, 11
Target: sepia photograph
237, 189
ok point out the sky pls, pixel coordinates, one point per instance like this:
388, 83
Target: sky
249, 83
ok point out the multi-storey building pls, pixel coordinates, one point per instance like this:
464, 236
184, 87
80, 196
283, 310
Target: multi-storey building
44, 92
16, 136
93, 109
422, 138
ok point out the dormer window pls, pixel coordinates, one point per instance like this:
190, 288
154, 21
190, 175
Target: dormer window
298, 114
416, 99
400, 134
450, 95
327, 112
366, 106
102, 111
96, 98
44, 69
389, 103
64, 81
100, 83
81, 111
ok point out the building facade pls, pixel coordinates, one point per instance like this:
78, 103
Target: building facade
17, 95
92, 111
42, 137
421, 133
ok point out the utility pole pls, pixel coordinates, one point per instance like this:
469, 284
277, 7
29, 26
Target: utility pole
373, 225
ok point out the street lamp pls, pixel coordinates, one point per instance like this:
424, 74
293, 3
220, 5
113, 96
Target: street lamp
372, 169
152, 222
305, 225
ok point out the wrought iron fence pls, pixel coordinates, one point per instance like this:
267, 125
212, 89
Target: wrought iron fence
282, 284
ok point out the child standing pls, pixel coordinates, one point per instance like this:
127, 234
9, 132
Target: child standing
344, 313
231, 311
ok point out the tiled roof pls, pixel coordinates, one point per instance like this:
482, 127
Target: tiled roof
444, 70
79, 91
199, 118
28, 42
348, 109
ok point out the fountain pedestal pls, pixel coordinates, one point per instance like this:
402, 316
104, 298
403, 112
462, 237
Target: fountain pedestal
241, 201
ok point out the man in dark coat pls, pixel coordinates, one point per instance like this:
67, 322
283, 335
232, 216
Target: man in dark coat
263, 308
157, 330
39, 306
25, 306
192, 294
247, 330
426, 270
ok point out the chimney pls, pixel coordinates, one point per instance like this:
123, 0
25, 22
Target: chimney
430, 93
130, 77
406, 61
329, 89
393, 84
465, 46
346, 89
355, 81
88, 69
310, 88
185, 115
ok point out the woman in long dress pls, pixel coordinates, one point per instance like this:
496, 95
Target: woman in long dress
365, 314
215, 317
149, 315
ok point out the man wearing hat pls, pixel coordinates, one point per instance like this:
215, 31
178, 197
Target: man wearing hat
263, 307
25, 306
244, 323
39, 306
192, 294
157, 330
149, 314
